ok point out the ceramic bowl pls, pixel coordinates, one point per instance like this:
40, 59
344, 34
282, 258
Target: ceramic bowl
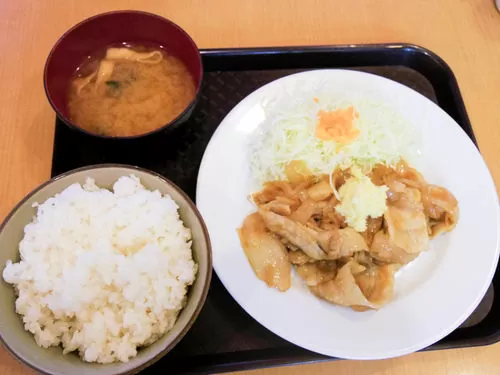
52, 361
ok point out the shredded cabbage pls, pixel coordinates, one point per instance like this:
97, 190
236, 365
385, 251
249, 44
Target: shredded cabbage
288, 134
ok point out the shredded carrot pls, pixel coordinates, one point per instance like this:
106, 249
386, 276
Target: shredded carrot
337, 125
316, 100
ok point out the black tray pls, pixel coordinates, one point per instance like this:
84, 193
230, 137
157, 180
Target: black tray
225, 338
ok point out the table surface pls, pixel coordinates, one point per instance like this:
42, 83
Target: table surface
466, 33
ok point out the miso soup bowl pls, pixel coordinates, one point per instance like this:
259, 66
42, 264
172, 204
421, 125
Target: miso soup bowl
52, 361
112, 28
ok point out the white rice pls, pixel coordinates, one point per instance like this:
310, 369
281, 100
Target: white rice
103, 272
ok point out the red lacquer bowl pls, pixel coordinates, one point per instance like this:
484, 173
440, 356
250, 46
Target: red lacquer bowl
111, 28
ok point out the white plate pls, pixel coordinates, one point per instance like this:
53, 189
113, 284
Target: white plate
434, 294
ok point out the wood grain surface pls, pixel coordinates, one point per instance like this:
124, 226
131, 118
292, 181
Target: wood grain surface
466, 33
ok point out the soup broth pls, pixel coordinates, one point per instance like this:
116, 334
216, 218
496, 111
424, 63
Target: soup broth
129, 91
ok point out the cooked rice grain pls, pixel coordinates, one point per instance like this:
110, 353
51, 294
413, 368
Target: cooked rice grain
103, 272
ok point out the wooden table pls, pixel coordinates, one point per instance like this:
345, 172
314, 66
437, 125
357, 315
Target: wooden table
466, 33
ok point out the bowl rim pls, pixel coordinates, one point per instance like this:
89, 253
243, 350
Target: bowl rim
206, 281
172, 123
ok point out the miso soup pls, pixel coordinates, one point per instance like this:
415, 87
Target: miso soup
129, 91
